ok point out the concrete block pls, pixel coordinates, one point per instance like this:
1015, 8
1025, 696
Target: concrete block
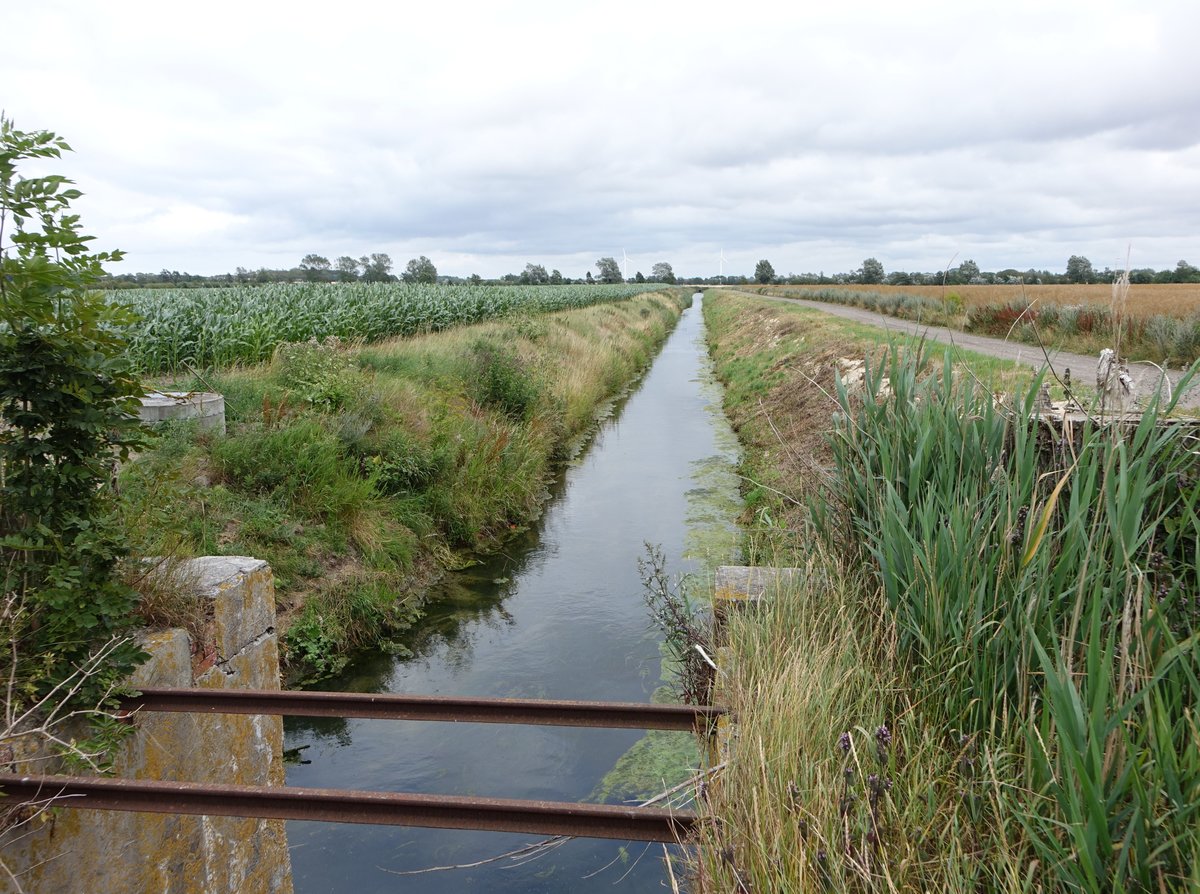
242, 592
254, 667
205, 406
76, 850
746, 583
170, 663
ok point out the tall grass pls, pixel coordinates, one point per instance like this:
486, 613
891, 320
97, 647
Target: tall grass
1015, 603
1040, 315
1042, 585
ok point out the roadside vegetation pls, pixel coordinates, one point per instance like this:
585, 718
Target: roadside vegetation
1159, 322
360, 472
985, 675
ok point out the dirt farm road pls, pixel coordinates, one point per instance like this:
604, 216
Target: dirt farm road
1146, 376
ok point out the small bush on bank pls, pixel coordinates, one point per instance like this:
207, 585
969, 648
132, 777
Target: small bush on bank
500, 379
320, 373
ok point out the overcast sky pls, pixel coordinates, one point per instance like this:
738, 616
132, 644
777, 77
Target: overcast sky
486, 135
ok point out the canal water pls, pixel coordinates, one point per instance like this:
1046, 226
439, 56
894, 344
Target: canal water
560, 614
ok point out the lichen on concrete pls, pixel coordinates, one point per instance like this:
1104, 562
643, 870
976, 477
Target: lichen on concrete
74, 850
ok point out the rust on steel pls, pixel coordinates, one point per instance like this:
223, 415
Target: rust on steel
340, 806
388, 706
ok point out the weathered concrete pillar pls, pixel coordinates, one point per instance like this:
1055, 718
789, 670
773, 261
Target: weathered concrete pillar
736, 588
110, 851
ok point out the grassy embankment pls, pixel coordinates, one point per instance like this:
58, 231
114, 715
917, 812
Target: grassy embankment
1159, 322
986, 677
360, 473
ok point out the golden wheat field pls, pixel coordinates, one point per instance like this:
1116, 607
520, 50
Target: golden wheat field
1169, 299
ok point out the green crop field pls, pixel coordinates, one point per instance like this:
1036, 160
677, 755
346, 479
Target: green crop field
217, 327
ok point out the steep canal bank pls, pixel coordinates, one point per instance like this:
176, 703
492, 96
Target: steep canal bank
558, 615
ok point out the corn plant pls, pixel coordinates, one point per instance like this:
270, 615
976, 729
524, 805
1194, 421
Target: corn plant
218, 327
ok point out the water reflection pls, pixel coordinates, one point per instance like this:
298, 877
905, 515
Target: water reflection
560, 615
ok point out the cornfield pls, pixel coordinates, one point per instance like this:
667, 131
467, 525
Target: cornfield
208, 328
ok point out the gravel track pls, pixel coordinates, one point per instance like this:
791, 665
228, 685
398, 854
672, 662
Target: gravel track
1083, 367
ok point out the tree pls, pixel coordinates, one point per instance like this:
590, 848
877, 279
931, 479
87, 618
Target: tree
556, 278
1185, 272
475, 279
610, 270
662, 272
535, 274
377, 268
965, 272
639, 278
763, 271
420, 270
315, 267
68, 403
589, 280
871, 272
347, 269
1079, 270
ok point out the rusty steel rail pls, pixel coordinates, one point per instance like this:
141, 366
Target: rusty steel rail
629, 715
341, 806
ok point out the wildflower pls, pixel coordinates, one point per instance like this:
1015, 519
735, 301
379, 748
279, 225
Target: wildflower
844, 742
883, 738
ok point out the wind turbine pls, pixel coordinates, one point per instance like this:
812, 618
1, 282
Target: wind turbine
722, 263
625, 261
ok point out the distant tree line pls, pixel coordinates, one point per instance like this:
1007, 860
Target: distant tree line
377, 267
1078, 270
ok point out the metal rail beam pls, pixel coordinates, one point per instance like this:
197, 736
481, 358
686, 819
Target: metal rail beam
630, 715
341, 806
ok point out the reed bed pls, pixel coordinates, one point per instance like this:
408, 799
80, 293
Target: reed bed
986, 678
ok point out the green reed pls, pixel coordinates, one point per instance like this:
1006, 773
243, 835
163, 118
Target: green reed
1043, 585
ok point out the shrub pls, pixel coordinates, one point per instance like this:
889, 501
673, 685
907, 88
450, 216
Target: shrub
67, 400
320, 373
500, 379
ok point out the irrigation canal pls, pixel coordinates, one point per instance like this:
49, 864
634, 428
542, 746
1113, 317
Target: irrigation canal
560, 614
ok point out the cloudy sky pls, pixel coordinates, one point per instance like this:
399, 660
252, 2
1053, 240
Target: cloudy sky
486, 135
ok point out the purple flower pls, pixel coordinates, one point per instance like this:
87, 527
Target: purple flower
883, 738
844, 742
